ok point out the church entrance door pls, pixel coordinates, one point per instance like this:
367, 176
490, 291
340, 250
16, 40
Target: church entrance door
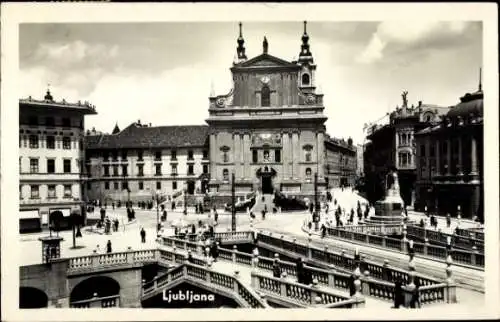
267, 184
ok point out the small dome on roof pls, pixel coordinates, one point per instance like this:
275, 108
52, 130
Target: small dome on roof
469, 104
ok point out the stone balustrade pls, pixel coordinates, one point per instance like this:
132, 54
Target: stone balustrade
341, 261
98, 302
218, 281
463, 241
300, 294
96, 261
462, 256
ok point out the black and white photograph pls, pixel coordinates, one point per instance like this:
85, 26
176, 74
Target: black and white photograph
296, 162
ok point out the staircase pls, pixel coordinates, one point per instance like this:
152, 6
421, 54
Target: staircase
261, 204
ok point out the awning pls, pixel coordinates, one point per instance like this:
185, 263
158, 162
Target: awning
29, 214
65, 212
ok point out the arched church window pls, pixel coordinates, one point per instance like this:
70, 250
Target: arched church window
265, 96
225, 174
306, 79
308, 152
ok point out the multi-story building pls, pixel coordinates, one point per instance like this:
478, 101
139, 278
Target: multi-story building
359, 160
269, 130
340, 162
51, 155
142, 161
450, 157
392, 146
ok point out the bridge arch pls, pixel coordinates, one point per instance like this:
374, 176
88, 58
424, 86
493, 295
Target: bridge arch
95, 286
32, 298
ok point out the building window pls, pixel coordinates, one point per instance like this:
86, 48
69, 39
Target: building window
51, 166
106, 185
89, 185
35, 193
265, 96
190, 155
124, 170
173, 155
51, 191
33, 141
205, 168
158, 185
105, 156
141, 185
66, 122
116, 185
255, 156
205, 154
66, 143
140, 170
306, 80
124, 155
124, 185
225, 174
115, 170
308, 173
67, 166
67, 191
277, 155
174, 185
139, 155
51, 142
106, 170
158, 155
158, 169
33, 165
174, 169
308, 155
190, 169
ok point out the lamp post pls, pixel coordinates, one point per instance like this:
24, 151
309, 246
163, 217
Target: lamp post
316, 212
233, 208
157, 212
185, 198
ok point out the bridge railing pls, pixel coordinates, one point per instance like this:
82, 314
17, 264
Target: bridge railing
304, 295
462, 256
97, 302
95, 261
342, 261
465, 242
216, 280
224, 236
388, 229
474, 233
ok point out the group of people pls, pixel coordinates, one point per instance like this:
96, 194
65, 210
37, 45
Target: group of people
109, 249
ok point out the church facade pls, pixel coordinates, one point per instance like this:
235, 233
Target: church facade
269, 129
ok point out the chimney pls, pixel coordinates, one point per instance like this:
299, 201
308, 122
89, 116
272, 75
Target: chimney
419, 103
138, 122
149, 124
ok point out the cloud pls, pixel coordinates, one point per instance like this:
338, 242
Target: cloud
406, 36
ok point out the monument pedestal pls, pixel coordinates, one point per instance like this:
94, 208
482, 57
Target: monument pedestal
390, 209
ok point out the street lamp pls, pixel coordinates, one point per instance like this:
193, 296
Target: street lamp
316, 212
233, 208
157, 212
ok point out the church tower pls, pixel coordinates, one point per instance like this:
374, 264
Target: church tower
269, 128
306, 62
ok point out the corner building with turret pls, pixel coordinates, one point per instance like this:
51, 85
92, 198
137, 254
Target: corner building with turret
269, 129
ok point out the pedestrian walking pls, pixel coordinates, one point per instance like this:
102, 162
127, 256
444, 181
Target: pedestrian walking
299, 266
108, 247
143, 235
415, 298
276, 268
216, 216
215, 250
398, 293
323, 231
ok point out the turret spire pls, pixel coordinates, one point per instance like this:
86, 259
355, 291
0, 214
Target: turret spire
240, 50
116, 130
305, 54
265, 45
48, 96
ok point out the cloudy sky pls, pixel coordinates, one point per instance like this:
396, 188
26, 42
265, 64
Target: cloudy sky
161, 73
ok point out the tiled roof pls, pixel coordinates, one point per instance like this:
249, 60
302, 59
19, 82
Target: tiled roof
137, 136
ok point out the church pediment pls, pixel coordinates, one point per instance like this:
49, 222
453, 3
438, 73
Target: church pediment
266, 60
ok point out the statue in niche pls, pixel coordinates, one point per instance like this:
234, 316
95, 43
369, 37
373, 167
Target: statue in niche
266, 156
